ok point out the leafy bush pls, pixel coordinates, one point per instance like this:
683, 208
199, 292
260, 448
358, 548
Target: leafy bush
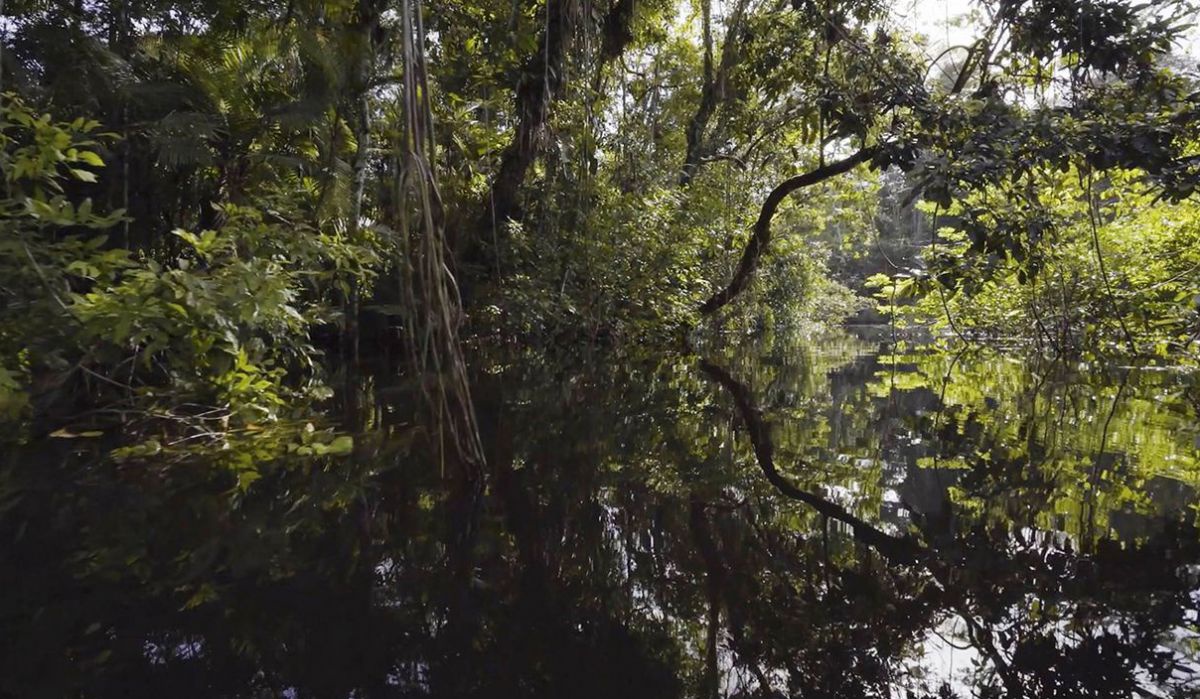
200, 341
1120, 278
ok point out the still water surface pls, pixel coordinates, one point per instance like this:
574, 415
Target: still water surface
826, 517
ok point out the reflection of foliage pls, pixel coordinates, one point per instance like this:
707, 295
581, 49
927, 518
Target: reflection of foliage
1058, 652
629, 531
1089, 442
178, 516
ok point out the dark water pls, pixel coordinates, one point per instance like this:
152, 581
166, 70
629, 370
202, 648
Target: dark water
813, 518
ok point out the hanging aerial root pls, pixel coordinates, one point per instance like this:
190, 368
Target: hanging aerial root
431, 304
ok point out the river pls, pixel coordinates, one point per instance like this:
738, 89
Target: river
831, 516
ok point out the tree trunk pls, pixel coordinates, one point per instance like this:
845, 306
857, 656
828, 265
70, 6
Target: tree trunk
714, 89
543, 79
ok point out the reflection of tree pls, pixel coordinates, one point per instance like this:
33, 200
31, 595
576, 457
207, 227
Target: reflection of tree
629, 542
1051, 441
897, 549
1106, 639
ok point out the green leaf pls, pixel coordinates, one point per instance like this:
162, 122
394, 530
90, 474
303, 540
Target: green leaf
64, 433
246, 478
90, 158
82, 175
342, 445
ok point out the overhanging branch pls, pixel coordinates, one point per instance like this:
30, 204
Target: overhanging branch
761, 236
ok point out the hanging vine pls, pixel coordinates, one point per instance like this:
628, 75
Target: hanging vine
432, 308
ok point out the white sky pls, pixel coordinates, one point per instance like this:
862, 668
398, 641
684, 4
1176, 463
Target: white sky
941, 21
946, 23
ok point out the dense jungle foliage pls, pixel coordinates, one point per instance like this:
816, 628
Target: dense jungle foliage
454, 308
205, 202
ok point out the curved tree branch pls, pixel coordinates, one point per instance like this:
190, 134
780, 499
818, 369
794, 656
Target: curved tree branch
897, 549
761, 236
894, 548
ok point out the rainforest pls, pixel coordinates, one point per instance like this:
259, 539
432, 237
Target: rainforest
600, 348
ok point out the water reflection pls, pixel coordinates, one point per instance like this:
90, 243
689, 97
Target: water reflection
930, 524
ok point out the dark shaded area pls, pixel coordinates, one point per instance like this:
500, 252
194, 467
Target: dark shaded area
632, 541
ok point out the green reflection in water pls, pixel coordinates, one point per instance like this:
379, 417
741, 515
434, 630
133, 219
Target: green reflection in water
627, 541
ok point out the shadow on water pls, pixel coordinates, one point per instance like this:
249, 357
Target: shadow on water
829, 517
